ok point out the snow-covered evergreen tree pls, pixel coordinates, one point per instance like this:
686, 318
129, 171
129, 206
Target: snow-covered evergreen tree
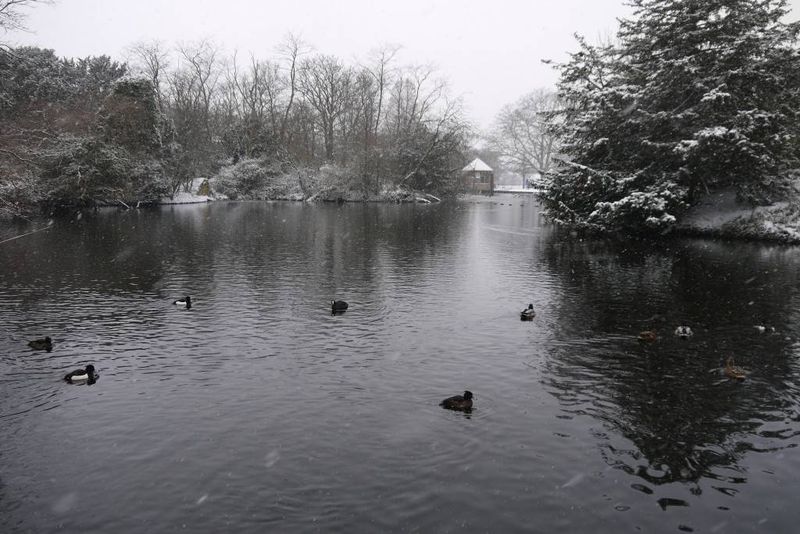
694, 95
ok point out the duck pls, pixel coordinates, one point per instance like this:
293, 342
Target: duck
684, 332
461, 403
648, 336
82, 375
338, 306
528, 313
760, 328
733, 371
41, 344
184, 302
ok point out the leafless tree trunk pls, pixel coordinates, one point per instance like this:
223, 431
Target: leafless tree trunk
381, 72
203, 68
292, 48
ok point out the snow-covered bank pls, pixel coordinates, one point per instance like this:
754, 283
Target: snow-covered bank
185, 198
199, 192
392, 195
286, 187
515, 189
721, 216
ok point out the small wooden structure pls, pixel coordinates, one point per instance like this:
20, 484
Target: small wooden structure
478, 177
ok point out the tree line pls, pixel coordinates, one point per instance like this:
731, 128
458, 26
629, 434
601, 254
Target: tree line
89, 131
381, 123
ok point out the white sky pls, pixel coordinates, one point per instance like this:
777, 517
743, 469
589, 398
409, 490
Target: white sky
489, 50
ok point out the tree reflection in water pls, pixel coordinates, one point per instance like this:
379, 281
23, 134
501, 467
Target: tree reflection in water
684, 421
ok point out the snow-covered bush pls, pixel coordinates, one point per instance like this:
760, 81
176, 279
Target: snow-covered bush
256, 179
18, 192
650, 210
84, 171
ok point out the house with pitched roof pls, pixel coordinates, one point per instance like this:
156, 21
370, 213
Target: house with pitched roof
478, 177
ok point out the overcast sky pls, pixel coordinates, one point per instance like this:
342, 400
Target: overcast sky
489, 50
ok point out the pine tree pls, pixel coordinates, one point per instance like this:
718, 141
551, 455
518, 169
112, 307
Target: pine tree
694, 96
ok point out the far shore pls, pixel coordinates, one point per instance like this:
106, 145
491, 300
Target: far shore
719, 216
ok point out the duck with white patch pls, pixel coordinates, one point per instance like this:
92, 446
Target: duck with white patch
79, 376
184, 303
528, 313
684, 332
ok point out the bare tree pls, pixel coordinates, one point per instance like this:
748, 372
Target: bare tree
522, 133
381, 72
356, 125
193, 92
152, 59
202, 74
291, 50
425, 129
326, 83
413, 96
253, 100
11, 16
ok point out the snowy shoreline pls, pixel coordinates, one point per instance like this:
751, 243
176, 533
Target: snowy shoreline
721, 216
185, 198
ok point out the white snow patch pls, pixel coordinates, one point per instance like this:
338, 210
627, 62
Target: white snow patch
190, 196
185, 198
715, 94
514, 189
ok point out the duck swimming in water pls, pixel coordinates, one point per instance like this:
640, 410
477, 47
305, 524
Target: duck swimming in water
684, 332
338, 306
82, 375
461, 403
41, 344
733, 371
184, 303
648, 336
528, 313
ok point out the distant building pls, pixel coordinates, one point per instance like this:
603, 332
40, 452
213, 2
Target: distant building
478, 177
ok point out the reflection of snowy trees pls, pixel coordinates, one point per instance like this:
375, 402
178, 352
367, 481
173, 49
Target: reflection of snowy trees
667, 413
691, 98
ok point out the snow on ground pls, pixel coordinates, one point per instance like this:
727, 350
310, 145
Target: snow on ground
720, 215
185, 198
188, 197
514, 189
715, 211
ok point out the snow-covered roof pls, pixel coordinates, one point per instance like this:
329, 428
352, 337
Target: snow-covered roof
477, 165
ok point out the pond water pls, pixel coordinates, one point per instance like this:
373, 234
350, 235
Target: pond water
259, 411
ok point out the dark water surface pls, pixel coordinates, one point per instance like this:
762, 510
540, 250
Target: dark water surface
258, 411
